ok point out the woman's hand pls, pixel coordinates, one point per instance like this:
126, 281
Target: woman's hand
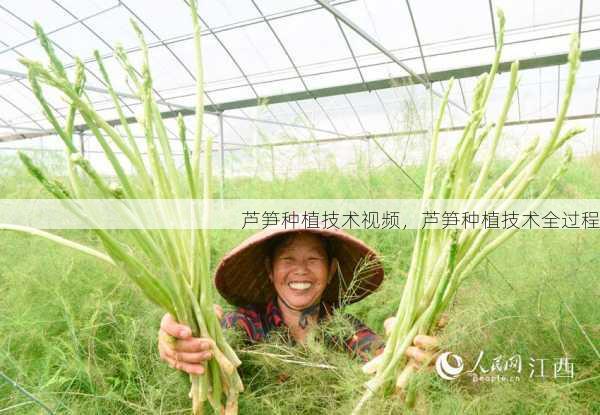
424, 349
179, 349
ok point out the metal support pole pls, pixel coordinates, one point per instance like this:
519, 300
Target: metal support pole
368, 156
594, 146
222, 155
429, 133
493, 23
81, 144
539, 92
558, 91
579, 20
518, 103
412, 19
272, 163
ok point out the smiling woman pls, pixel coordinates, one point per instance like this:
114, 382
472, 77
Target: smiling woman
291, 281
300, 268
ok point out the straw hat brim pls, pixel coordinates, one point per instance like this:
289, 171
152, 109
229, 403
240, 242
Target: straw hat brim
241, 276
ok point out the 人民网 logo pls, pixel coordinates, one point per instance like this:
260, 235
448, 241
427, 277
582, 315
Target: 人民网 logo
449, 365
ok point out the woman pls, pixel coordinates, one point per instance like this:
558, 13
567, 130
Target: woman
290, 279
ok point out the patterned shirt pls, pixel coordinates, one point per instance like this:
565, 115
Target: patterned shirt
258, 322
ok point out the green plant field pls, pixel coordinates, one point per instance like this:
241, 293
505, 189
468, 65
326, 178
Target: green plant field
74, 333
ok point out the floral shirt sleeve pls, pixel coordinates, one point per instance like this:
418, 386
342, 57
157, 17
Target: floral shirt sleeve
248, 320
364, 343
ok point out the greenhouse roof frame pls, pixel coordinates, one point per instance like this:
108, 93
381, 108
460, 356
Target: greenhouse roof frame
459, 73
271, 16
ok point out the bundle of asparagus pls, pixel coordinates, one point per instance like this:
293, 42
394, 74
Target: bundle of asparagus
443, 258
170, 266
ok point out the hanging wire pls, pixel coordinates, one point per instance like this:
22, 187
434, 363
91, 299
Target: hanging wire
23, 391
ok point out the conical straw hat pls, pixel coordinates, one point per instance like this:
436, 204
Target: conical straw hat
241, 276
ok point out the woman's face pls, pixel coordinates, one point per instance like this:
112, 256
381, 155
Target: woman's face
300, 270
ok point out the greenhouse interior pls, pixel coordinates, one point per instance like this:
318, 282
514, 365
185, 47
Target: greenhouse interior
314, 100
